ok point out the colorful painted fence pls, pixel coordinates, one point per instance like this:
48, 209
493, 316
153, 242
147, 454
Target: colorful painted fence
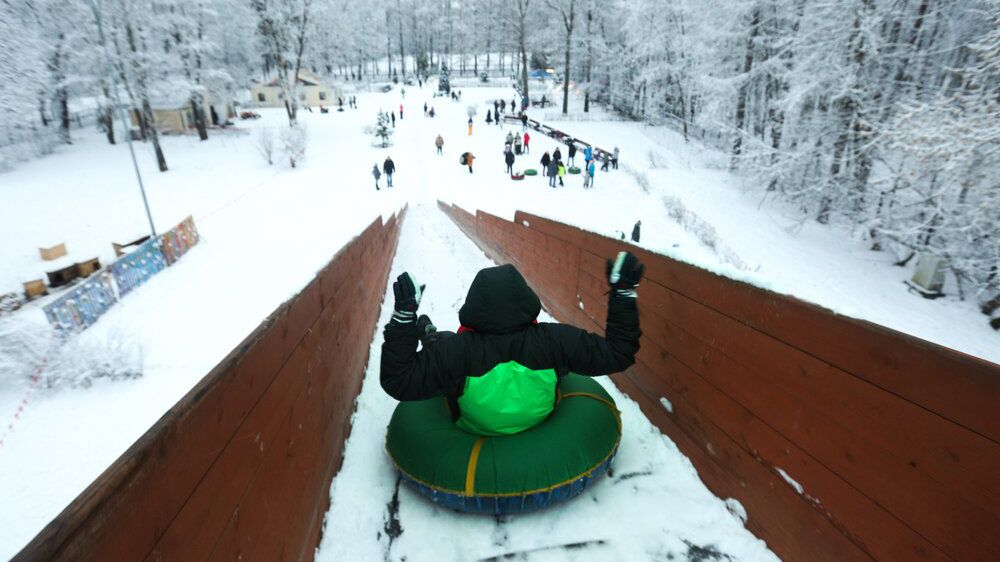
82, 306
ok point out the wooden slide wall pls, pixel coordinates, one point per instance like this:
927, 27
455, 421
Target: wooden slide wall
893, 440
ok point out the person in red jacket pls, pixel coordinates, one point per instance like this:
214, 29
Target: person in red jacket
527, 139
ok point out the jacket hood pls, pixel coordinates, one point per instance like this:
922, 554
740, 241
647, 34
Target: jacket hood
499, 302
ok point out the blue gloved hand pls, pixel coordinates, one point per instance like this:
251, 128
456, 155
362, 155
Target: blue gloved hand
624, 274
408, 294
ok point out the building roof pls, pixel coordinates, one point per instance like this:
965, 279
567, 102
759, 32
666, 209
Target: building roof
306, 78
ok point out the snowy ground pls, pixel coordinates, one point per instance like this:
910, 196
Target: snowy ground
651, 507
267, 230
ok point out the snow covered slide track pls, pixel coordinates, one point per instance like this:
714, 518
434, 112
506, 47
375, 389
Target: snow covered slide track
844, 440
241, 465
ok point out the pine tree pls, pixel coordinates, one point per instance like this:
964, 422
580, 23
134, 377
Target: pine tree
444, 83
382, 129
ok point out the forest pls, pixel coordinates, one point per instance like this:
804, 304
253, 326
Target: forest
879, 115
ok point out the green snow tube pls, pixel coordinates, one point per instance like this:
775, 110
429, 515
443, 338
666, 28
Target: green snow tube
573, 170
531, 172
505, 474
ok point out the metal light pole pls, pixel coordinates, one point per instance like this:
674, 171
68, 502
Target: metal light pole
121, 112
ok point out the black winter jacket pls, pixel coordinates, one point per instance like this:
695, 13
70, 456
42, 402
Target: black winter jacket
501, 309
389, 166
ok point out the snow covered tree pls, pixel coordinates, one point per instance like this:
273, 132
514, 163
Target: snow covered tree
283, 27
293, 143
382, 130
444, 79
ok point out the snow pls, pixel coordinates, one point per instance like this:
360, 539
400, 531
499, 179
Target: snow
667, 404
266, 230
791, 481
651, 507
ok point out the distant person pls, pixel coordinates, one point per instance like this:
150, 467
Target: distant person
571, 153
496, 105
489, 117
588, 175
402, 92
524, 121
546, 159
432, 114
561, 171
439, 143
513, 105
377, 174
614, 158
557, 155
400, 112
510, 138
605, 162
469, 157
551, 169
393, 113
503, 106
527, 139
389, 167
517, 144
509, 159
470, 126
588, 154
425, 108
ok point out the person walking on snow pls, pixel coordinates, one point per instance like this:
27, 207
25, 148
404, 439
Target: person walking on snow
571, 160
470, 126
503, 105
496, 117
605, 161
377, 174
588, 175
425, 109
439, 143
393, 113
552, 170
509, 158
524, 121
614, 158
389, 167
527, 139
500, 371
400, 112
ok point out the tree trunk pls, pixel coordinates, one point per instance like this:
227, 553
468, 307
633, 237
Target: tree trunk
565, 107
402, 53
522, 32
147, 110
154, 136
741, 102
590, 63
64, 120
199, 118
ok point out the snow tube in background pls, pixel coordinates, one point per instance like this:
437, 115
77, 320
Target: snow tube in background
505, 474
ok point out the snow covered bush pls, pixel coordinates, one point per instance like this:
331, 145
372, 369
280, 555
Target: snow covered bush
28, 348
293, 143
264, 143
382, 131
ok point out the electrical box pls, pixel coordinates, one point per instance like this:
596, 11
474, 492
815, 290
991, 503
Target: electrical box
929, 275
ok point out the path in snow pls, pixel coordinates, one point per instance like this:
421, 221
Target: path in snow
651, 506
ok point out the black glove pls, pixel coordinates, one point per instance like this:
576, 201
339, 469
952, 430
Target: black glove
624, 274
408, 295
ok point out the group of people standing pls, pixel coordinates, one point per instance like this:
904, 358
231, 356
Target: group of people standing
555, 169
515, 144
388, 168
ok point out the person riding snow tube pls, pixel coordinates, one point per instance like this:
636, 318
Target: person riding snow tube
504, 474
503, 387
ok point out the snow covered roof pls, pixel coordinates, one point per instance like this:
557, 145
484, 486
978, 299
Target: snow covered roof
306, 78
